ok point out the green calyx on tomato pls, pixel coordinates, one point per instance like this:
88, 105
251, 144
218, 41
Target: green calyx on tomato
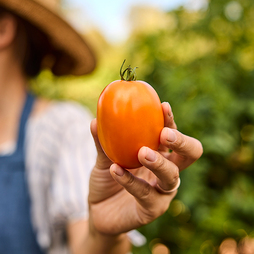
130, 73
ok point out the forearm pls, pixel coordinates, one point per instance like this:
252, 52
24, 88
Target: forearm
83, 239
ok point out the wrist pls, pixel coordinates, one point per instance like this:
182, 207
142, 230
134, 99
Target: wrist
100, 243
106, 238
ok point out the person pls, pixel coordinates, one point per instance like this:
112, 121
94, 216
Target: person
59, 193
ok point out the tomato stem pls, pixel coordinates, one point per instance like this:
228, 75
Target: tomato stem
130, 73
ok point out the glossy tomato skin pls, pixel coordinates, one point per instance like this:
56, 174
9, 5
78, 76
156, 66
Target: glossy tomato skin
129, 116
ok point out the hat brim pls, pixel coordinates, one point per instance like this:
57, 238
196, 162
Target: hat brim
61, 35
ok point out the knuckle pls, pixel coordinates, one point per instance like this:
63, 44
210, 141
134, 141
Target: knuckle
131, 179
170, 119
160, 163
181, 144
174, 181
176, 177
188, 148
145, 192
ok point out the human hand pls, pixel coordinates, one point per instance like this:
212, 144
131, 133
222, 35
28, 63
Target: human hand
121, 200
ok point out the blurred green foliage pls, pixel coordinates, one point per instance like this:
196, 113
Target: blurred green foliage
202, 63
204, 67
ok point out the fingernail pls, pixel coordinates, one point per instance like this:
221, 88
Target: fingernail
171, 136
117, 170
150, 155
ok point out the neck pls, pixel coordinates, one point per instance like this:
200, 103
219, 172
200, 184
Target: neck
12, 96
12, 84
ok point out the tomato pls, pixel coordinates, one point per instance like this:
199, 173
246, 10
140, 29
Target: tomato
129, 116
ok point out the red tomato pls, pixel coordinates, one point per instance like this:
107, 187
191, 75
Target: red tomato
129, 116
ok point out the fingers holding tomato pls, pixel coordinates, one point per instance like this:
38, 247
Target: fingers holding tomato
167, 172
149, 203
130, 116
166, 165
168, 116
185, 150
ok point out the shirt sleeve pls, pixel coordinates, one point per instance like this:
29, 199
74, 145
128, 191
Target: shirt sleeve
76, 158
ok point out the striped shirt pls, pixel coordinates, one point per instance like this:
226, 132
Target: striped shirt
60, 155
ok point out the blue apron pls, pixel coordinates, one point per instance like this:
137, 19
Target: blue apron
16, 231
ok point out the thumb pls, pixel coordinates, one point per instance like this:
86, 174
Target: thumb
103, 162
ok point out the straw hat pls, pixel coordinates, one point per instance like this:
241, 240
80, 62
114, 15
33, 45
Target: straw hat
45, 15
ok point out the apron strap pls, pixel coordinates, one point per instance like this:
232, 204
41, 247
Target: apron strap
23, 120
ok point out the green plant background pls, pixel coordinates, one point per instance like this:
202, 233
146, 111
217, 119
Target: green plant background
202, 63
